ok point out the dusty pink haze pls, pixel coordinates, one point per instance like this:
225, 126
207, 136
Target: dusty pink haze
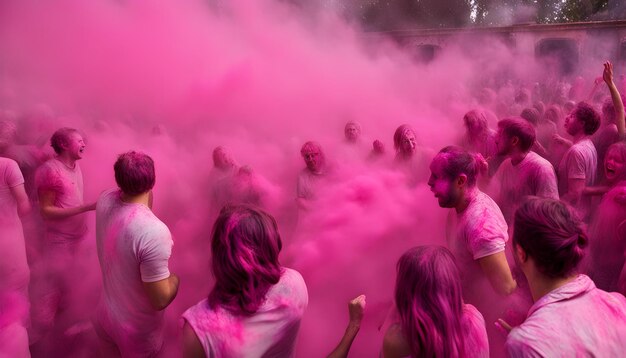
175, 79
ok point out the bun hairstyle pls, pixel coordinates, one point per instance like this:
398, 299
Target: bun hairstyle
460, 161
552, 234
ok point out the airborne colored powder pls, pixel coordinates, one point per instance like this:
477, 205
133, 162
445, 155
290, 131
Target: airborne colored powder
177, 79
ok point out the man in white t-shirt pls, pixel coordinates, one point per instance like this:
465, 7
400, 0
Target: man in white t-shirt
523, 173
477, 232
59, 186
134, 247
579, 164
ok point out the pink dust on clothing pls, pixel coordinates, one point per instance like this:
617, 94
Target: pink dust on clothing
579, 162
533, 176
67, 185
134, 246
606, 243
576, 319
270, 331
478, 231
14, 271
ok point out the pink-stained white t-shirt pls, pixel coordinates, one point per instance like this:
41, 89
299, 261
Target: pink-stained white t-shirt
574, 320
14, 270
606, 244
579, 162
270, 332
533, 176
67, 185
479, 231
134, 246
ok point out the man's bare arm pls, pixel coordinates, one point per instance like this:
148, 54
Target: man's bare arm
50, 211
23, 204
162, 293
497, 270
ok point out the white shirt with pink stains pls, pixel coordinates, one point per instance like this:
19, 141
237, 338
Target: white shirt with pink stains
67, 185
134, 246
574, 320
14, 270
532, 176
270, 332
478, 231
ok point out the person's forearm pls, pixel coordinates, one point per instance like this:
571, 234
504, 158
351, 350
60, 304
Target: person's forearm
619, 109
595, 190
346, 341
54, 212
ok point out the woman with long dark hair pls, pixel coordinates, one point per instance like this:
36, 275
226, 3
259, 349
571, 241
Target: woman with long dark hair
256, 304
433, 320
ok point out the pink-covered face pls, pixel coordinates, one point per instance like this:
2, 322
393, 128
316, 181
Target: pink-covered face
222, 159
614, 165
408, 143
572, 125
352, 132
313, 159
75, 146
443, 188
503, 143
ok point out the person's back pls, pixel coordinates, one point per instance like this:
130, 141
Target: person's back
574, 320
570, 317
473, 328
256, 305
128, 236
269, 332
134, 247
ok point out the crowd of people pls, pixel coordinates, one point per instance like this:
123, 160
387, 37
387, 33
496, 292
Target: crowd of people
550, 175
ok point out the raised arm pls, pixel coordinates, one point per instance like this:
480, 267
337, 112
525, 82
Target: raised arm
607, 75
355, 308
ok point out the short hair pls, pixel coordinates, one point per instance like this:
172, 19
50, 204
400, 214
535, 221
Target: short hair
134, 173
517, 127
531, 115
311, 145
244, 248
399, 134
589, 116
552, 234
354, 123
460, 161
428, 297
61, 138
540, 107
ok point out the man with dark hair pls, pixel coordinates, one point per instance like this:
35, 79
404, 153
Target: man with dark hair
134, 247
578, 166
59, 186
523, 172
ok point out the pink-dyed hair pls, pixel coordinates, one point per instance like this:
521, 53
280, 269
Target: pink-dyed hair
134, 173
399, 134
588, 115
429, 300
60, 139
552, 234
244, 250
520, 128
460, 161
